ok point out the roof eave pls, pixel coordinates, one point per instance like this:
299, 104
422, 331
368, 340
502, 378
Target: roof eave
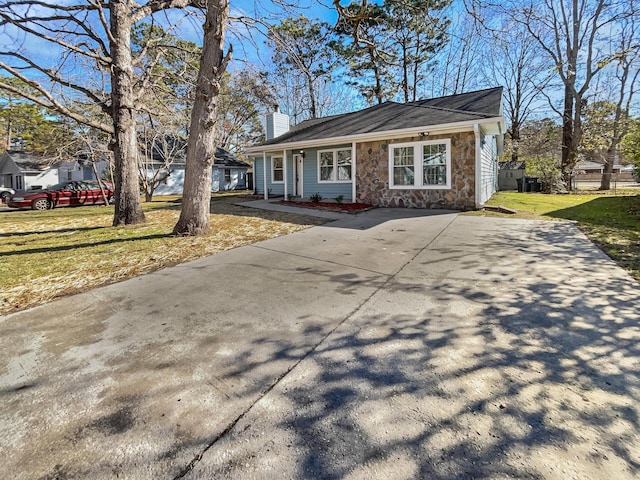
490, 125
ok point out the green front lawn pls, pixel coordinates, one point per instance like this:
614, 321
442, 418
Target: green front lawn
611, 221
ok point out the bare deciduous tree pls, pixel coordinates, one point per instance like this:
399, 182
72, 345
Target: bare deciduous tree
627, 71
460, 61
243, 96
514, 61
97, 35
194, 216
575, 35
161, 145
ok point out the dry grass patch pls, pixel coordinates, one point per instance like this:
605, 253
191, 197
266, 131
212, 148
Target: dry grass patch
59, 252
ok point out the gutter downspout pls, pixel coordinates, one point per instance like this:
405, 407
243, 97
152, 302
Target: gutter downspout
353, 172
264, 175
478, 167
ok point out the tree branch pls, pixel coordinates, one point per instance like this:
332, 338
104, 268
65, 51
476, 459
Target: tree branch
91, 95
158, 5
20, 23
49, 102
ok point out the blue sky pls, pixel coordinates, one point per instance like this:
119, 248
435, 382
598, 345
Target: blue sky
249, 45
190, 27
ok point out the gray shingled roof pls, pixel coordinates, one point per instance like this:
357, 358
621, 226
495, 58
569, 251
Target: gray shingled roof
27, 161
389, 116
222, 159
226, 159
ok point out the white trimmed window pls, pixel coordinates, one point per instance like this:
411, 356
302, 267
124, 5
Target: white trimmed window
425, 165
277, 170
334, 165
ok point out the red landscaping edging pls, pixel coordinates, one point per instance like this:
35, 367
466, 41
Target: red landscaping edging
333, 207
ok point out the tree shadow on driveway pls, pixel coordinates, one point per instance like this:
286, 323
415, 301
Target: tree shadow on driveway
496, 352
518, 357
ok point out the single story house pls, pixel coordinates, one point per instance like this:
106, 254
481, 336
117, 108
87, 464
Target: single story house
509, 173
434, 153
227, 173
27, 170
586, 167
587, 170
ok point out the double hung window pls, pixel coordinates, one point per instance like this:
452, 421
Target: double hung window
277, 170
425, 165
334, 165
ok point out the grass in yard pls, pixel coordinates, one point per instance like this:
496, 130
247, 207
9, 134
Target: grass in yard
611, 221
62, 251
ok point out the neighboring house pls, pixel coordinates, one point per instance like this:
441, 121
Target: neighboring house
228, 173
435, 153
19, 170
26, 171
509, 173
587, 167
592, 171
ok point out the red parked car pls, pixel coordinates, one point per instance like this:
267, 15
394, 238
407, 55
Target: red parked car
64, 194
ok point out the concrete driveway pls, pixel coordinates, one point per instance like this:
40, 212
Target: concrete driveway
392, 344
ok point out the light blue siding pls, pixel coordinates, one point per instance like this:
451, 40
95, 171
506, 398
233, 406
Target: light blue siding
272, 188
238, 179
217, 179
311, 185
258, 176
174, 183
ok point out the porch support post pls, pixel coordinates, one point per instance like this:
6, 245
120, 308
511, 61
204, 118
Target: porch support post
353, 172
264, 176
284, 173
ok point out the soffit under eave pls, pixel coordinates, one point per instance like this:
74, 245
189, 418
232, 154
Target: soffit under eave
491, 126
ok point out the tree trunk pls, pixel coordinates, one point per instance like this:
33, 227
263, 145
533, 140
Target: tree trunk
515, 140
375, 68
607, 171
405, 73
128, 209
9, 127
196, 200
571, 123
619, 127
100, 184
605, 182
416, 70
312, 96
569, 149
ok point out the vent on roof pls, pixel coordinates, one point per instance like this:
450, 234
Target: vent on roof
276, 124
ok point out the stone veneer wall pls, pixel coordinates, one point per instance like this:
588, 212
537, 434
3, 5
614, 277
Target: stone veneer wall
372, 176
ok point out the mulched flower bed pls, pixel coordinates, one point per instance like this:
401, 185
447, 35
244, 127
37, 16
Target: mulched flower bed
334, 207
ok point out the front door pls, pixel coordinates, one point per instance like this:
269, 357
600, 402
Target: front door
297, 161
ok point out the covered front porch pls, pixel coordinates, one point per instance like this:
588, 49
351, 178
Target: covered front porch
307, 171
